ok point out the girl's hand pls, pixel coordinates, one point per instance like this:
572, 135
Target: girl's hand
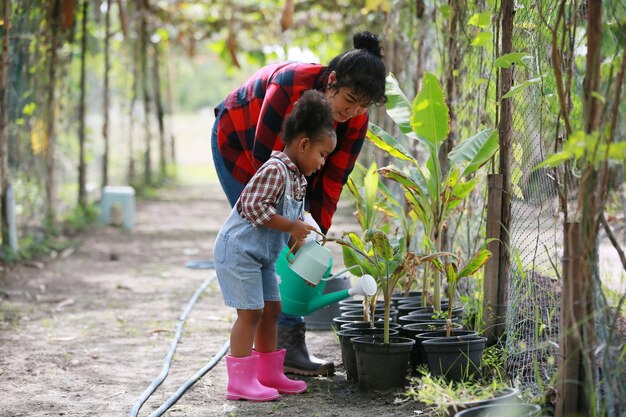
300, 230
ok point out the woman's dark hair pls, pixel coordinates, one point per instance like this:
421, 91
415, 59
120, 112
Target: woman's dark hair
362, 68
312, 116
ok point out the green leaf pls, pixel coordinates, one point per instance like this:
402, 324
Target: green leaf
617, 151
431, 117
554, 160
482, 39
518, 153
506, 60
517, 191
446, 11
29, 109
475, 151
354, 190
380, 242
387, 143
475, 263
451, 273
462, 189
521, 87
398, 106
482, 20
370, 183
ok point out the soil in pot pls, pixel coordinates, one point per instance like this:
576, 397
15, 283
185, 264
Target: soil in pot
380, 365
347, 352
455, 358
501, 410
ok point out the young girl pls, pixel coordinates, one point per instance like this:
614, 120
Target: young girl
266, 217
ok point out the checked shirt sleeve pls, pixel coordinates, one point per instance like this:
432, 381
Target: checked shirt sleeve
259, 198
325, 187
276, 104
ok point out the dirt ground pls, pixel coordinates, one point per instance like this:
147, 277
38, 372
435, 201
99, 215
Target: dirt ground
85, 332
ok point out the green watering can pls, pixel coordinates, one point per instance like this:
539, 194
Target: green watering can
302, 278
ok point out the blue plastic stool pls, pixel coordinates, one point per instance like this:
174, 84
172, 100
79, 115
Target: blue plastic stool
122, 195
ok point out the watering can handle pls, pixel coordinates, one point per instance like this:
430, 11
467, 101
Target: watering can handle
342, 271
290, 252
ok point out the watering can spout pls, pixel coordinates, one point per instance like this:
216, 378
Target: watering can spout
302, 279
365, 285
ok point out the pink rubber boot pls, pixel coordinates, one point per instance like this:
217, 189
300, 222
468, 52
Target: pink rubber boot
243, 383
270, 373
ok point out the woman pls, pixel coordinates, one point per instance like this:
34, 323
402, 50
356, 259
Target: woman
247, 129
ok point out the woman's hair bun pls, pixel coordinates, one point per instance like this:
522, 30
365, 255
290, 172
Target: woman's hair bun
369, 42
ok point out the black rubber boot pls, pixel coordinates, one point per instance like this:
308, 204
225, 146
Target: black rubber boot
298, 360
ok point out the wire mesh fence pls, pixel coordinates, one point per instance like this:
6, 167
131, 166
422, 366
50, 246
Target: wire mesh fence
535, 280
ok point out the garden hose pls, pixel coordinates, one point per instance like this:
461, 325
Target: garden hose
168, 360
180, 391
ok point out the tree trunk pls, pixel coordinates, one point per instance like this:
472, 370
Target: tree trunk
54, 23
170, 105
504, 130
107, 67
82, 174
147, 162
4, 123
159, 110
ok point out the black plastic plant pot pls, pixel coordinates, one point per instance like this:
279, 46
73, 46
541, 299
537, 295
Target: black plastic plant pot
454, 359
382, 365
457, 310
505, 395
358, 306
407, 308
351, 302
366, 324
410, 297
420, 354
423, 318
413, 329
379, 314
339, 321
501, 410
347, 352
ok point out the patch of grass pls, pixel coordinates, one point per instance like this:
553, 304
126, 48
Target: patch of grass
441, 395
10, 316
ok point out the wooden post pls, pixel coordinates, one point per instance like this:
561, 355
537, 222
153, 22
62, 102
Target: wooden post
504, 169
491, 301
576, 315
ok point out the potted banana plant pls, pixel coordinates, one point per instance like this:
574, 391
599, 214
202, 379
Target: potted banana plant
457, 355
382, 360
432, 191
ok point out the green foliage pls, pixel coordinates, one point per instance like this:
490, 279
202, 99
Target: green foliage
432, 194
443, 396
588, 148
506, 60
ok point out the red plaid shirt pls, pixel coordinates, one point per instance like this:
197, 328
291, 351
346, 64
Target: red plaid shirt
249, 129
265, 190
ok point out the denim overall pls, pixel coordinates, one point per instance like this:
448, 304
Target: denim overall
245, 256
